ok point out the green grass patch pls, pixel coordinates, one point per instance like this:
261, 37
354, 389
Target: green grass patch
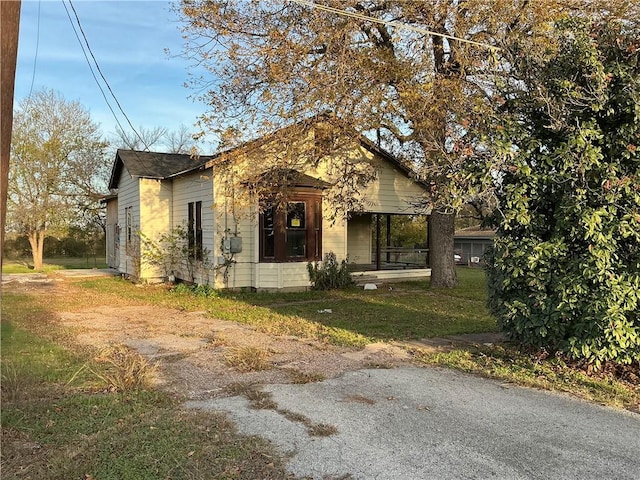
512, 365
408, 311
51, 264
135, 435
30, 363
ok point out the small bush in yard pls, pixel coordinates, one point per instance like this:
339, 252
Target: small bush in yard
329, 275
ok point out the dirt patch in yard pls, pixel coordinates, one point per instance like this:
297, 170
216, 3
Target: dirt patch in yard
193, 349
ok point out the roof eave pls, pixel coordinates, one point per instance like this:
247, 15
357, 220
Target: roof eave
116, 170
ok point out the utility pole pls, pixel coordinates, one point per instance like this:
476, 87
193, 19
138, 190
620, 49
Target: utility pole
9, 28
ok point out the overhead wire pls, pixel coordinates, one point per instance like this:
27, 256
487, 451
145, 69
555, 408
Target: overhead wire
95, 61
35, 57
104, 95
360, 16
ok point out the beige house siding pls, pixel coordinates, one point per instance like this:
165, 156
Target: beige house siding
237, 270
112, 234
196, 187
392, 192
282, 276
160, 206
128, 196
155, 219
359, 238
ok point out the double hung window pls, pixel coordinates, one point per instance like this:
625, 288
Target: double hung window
194, 230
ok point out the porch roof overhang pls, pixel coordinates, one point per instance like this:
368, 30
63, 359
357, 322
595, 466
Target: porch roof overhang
278, 178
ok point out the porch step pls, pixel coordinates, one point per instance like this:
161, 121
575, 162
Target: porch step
387, 276
362, 279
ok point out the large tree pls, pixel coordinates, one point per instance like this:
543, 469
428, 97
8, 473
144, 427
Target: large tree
565, 273
57, 167
420, 95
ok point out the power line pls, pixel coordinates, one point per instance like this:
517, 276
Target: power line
104, 95
95, 61
404, 26
35, 58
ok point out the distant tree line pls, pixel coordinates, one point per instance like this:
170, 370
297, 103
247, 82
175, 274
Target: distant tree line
78, 242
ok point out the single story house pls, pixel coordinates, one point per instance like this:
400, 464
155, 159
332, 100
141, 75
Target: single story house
235, 238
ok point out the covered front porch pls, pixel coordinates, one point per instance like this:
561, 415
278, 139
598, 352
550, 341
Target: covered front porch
385, 247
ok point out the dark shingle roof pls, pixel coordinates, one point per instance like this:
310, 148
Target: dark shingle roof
154, 165
475, 232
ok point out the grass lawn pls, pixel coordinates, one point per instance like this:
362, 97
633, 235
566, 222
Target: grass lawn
409, 311
25, 265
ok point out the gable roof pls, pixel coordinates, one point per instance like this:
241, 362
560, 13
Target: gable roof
337, 123
155, 165
162, 166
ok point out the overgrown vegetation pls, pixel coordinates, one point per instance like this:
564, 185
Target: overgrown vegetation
177, 253
330, 274
124, 369
565, 272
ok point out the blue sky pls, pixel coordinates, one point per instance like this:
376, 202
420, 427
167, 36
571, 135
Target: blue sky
128, 39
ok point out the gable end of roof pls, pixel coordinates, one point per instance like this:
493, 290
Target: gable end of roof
154, 165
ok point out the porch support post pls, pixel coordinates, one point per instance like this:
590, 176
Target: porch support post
428, 244
378, 241
388, 237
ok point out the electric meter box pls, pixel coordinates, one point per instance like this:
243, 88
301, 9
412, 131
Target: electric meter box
235, 245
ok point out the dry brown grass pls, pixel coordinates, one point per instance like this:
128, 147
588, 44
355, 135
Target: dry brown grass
248, 359
300, 377
260, 400
321, 430
125, 369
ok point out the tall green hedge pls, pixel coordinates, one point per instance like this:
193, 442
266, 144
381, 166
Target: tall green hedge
565, 271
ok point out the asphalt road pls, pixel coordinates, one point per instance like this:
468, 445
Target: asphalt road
428, 423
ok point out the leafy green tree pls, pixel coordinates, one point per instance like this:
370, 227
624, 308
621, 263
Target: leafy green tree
57, 167
565, 272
